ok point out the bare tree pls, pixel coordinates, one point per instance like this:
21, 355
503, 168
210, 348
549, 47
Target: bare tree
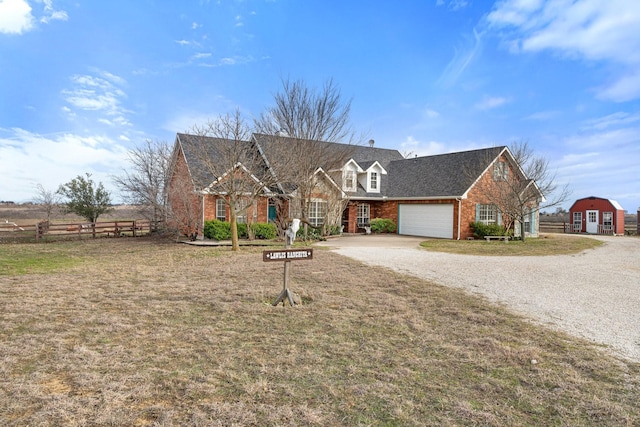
525, 190
184, 209
304, 113
144, 184
295, 133
48, 199
231, 166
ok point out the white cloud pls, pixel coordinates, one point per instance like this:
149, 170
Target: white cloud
603, 152
184, 122
431, 114
55, 159
543, 115
625, 88
228, 61
593, 30
517, 13
15, 16
612, 120
453, 4
201, 55
51, 14
100, 93
412, 147
489, 103
462, 58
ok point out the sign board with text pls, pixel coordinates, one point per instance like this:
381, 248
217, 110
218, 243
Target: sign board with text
287, 255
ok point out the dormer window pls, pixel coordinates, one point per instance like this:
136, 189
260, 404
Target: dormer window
350, 180
370, 178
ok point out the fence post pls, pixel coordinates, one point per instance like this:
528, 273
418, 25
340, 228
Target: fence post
134, 228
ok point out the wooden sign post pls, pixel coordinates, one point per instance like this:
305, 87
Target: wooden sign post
287, 255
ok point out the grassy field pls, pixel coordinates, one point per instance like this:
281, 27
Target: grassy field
141, 332
547, 244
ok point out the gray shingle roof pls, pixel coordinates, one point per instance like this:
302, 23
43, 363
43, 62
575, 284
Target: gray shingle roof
443, 175
216, 148
366, 156
361, 154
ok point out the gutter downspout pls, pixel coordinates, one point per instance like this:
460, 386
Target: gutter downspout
459, 215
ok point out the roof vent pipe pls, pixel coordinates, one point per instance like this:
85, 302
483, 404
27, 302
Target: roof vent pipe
371, 142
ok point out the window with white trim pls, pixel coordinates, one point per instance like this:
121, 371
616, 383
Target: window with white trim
373, 181
221, 209
363, 218
607, 221
317, 211
241, 204
487, 214
350, 180
527, 221
577, 221
500, 171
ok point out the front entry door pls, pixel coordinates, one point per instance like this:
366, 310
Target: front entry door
592, 222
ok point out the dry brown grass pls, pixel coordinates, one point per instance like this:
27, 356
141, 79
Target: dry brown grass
31, 214
546, 244
139, 332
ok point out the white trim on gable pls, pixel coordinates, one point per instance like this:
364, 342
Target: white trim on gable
353, 164
207, 189
331, 181
349, 176
378, 165
371, 179
510, 161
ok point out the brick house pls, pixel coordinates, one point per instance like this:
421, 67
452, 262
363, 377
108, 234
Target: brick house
432, 196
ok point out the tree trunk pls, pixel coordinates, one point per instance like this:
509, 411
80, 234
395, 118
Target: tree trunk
235, 246
522, 234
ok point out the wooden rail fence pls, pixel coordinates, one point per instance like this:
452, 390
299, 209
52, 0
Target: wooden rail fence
45, 230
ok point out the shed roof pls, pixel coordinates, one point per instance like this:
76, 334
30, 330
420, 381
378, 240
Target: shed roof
613, 203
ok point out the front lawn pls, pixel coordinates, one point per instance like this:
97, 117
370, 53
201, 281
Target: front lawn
546, 244
139, 332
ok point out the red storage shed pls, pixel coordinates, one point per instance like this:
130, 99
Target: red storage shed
595, 215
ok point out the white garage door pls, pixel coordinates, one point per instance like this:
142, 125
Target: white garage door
426, 220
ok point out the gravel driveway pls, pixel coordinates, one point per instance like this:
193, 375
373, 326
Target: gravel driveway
594, 294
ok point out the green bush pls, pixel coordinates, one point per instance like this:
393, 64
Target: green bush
312, 233
335, 230
221, 230
264, 230
217, 230
480, 230
382, 225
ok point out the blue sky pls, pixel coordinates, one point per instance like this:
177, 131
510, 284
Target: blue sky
82, 82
